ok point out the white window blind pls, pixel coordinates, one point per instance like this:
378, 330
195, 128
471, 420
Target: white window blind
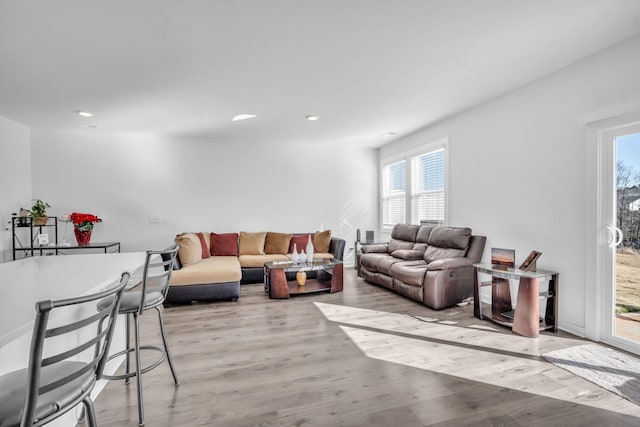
428, 197
394, 182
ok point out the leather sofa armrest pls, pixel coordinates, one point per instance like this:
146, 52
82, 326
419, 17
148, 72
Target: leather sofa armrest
379, 248
449, 263
336, 247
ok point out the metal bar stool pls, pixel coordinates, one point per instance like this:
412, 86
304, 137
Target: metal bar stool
65, 360
154, 286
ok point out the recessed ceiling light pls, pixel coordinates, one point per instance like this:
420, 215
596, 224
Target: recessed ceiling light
243, 117
312, 117
89, 126
84, 113
388, 134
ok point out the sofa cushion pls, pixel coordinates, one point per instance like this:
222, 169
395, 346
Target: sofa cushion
277, 243
434, 253
450, 237
216, 269
251, 243
406, 232
385, 263
204, 244
225, 244
189, 248
395, 245
321, 241
259, 260
409, 273
370, 261
318, 255
408, 254
300, 241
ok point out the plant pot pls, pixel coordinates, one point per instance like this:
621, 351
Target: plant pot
39, 221
82, 237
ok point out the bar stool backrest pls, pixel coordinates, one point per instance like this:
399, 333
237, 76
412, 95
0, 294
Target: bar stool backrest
69, 350
156, 274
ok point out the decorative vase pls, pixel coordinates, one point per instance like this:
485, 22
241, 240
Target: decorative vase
309, 250
295, 258
82, 237
303, 256
301, 278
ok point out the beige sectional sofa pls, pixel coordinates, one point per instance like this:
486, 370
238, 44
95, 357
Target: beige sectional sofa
211, 266
432, 265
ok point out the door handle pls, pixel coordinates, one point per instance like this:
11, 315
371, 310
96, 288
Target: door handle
616, 236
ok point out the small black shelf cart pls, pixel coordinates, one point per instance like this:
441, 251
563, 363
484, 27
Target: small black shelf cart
25, 235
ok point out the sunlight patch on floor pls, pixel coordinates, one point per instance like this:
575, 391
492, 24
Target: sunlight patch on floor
471, 352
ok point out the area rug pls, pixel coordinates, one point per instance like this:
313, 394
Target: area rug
610, 369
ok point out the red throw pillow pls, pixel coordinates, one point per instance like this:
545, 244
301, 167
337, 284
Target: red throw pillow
225, 244
300, 241
203, 243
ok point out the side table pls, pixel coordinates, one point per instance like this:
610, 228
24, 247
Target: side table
525, 319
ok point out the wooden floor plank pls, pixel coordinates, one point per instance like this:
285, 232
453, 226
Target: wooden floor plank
365, 356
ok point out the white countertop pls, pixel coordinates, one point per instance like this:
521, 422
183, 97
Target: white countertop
27, 281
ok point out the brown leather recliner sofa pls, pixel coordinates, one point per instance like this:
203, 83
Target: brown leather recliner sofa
433, 265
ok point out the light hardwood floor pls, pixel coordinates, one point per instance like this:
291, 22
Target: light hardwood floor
363, 357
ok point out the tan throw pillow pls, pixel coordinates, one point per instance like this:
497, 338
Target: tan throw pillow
321, 240
189, 248
252, 243
277, 243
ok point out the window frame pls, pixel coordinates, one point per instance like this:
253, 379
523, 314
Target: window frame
410, 194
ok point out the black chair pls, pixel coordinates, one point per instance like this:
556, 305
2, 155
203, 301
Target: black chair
58, 380
154, 285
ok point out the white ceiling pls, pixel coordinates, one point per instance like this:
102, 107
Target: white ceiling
364, 66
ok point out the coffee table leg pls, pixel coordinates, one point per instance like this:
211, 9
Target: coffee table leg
278, 286
526, 319
336, 279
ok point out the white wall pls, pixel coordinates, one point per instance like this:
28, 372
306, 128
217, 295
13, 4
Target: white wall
518, 166
202, 185
15, 176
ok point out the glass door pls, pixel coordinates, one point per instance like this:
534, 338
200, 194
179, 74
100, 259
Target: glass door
624, 329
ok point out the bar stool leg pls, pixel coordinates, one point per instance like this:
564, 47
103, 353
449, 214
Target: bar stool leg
128, 336
89, 412
166, 348
138, 367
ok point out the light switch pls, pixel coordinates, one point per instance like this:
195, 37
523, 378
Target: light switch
155, 219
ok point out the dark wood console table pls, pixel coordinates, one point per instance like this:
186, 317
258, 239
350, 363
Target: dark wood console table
525, 319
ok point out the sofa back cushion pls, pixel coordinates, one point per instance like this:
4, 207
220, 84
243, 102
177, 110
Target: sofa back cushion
321, 241
277, 243
204, 239
423, 234
407, 232
252, 243
189, 248
395, 245
225, 244
300, 241
447, 242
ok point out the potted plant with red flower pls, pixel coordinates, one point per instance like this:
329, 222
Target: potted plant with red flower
83, 225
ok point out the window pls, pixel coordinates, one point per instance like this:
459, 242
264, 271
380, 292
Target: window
414, 188
394, 181
428, 188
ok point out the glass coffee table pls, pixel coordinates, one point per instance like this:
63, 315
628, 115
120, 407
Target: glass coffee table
323, 275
